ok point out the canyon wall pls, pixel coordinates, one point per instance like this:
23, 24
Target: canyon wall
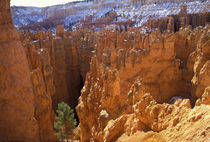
43, 88
17, 105
63, 59
140, 84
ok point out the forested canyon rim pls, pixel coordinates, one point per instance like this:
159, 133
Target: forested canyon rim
129, 78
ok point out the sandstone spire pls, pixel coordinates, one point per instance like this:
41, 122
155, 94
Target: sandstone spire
17, 122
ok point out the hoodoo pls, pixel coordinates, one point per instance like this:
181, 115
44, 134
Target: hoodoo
128, 89
130, 70
17, 102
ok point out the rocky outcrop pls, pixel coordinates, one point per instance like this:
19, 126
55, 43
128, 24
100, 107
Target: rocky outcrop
63, 60
17, 101
177, 122
132, 79
43, 88
173, 23
201, 68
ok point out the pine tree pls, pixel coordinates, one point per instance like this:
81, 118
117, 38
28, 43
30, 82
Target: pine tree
65, 122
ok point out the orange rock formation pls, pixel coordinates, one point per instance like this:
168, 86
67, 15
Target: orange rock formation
174, 22
17, 101
65, 57
138, 87
26, 87
133, 79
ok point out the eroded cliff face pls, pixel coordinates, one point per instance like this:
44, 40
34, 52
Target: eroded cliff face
144, 86
17, 105
43, 88
173, 23
63, 60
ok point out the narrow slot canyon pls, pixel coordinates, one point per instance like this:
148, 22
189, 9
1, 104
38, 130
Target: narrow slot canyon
124, 85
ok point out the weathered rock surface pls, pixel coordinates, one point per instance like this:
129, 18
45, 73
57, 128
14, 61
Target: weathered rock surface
132, 79
97, 15
143, 2
17, 101
173, 23
139, 86
63, 59
125, 67
43, 88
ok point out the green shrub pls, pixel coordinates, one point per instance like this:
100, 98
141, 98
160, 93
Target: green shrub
65, 122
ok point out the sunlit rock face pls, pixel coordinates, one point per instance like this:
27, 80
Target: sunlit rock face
43, 88
17, 101
135, 81
140, 84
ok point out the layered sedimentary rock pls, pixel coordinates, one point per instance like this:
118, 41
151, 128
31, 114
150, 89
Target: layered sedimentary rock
139, 85
174, 22
17, 101
125, 66
97, 15
43, 88
63, 60
143, 2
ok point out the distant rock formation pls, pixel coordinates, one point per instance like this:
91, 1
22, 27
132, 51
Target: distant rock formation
143, 2
174, 22
97, 15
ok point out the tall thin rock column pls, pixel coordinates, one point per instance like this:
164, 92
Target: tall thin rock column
17, 122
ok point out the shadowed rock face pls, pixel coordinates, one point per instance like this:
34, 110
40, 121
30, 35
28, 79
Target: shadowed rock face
17, 122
